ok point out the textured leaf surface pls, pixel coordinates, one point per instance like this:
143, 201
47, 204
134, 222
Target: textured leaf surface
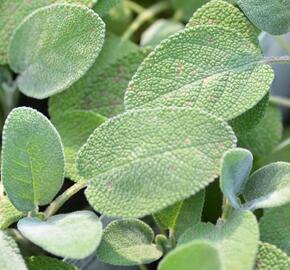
219, 12
10, 258
270, 257
103, 6
207, 67
32, 159
128, 242
268, 186
194, 255
39, 48
47, 263
181, 215
8, 213
236, 167
272, 16
74, 128
275, 227
237, 239
74, 235
20, 9
158, 31
266, 135
153, 152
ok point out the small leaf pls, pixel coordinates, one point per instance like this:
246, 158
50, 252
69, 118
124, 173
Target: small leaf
8, 213
181, 215
275, 227
103, 6
47, 263
199, 255
39, 48
128, 242
268, 186
74, 128
158, 31
10, 258
75, 235
236, 240
270, 257
32, 167
272, 16
154, 151
236, 167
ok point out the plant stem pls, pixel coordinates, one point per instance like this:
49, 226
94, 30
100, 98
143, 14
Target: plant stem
63, 198
277, 60
143, 267
283, 43
281, 101
227, 209
146, 15
134, 6
282, 145
172, 238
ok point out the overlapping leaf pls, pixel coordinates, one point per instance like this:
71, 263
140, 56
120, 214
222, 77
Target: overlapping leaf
75, 235
128, 242
39, 48
32, 159
153, 152
47, 263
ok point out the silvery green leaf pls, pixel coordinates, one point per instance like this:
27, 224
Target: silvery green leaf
48, 263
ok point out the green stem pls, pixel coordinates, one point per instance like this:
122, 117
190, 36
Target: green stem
135, 7
227, 209
283, 43
280, 101
277, 60
146, 15
63, 198
282, 145
172, 238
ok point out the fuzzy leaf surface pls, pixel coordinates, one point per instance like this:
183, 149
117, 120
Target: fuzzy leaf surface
153, 151
39, 52
128, 242
75, 235
32, 168
47, 263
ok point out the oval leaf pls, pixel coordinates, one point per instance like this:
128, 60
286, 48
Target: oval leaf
32, 159
53, 47
268, 186
75, 235
47, 263
128, 242
153, 152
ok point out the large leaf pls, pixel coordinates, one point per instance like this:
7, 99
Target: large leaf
128, 242
268, 186
75, 235
32, 159
182, 215
237, 239
10, 258
207, 67
47, 263
20, 9
270, 257
236, 167
152, 153
272, 16
275, 227
199, 255
51, 52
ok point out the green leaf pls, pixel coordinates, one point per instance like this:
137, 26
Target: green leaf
74, 128
103, 6
39, 48
207, 67
154, 151
266, 135
272, 16
32, 159
236, 239
181, 215
199, 255
8, 213
48, 263
270, 257
12, 13
158, 31
268, 186
75, 235
275, 227
10, 258
128, 242
236, 167
219, 12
